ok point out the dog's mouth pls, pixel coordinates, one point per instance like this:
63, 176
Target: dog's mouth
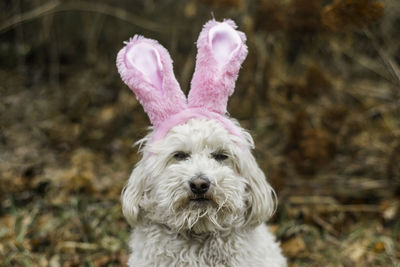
199, 199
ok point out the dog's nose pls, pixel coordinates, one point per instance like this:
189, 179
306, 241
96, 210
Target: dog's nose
199, 185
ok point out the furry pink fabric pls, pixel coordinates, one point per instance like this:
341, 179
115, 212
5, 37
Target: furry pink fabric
199, 113
221, 51
146, 67
159, 92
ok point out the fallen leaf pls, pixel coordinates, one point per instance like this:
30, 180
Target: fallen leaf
379, 247
293, 246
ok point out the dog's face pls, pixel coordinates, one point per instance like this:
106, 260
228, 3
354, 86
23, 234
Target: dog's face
199, 178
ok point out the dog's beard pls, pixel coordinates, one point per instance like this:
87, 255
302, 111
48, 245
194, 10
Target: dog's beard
173, 205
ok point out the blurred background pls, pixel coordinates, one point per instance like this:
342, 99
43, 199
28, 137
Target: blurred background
319, 91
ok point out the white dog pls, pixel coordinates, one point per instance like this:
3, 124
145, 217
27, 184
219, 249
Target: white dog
197, 197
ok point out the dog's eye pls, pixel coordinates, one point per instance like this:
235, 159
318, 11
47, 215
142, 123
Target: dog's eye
180, 155
219, 156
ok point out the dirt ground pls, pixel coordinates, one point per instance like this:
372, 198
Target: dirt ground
319, 92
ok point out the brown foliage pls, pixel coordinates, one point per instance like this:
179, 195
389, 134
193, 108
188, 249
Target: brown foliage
315, 83
310, 16
271, 16
393, 166
224, 3
296, 16
304, 16
342, 14
309, 148
333, 118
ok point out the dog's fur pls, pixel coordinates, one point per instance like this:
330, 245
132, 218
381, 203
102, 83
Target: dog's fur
227, 230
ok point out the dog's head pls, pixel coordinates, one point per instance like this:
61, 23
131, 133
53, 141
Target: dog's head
199, 177
197, 172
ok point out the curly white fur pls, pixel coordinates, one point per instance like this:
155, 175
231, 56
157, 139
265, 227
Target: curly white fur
227, 230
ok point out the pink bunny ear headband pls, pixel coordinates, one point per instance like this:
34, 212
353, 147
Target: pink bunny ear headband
146, 67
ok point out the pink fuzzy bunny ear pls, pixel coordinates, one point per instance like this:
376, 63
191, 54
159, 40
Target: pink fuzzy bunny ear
221, 51
146, 67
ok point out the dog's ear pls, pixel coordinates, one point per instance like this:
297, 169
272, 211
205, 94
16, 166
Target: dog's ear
132, 194
261, 198
146, 67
